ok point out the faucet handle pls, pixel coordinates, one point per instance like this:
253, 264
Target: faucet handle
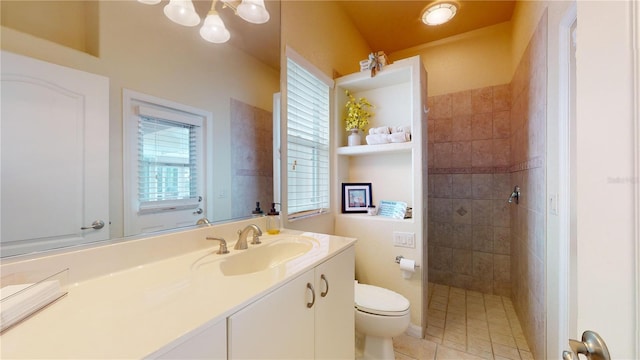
256, 239
223, 245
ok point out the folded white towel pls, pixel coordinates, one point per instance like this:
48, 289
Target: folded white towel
20, 301
380, 130
397, 129
399, 137
377, 139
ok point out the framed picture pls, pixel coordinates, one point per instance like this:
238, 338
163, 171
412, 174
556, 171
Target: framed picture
356, 197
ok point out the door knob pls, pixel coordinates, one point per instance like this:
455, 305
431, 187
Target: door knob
96, 225
592, 346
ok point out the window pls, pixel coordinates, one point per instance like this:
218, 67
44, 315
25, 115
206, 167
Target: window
164, 164
307, 138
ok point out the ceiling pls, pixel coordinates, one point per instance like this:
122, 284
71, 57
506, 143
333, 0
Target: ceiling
386, 25
393, 25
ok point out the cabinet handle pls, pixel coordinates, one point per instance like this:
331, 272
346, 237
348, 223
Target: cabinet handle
324, 278
313, 294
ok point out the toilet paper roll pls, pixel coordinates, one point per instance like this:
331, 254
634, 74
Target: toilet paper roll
407, 265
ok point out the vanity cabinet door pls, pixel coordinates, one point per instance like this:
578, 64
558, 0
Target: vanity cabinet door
334, 314
277, 326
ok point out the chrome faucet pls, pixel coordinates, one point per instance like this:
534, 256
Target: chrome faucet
241, 244
223, 245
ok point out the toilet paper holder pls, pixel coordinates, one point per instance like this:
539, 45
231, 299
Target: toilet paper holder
402, 257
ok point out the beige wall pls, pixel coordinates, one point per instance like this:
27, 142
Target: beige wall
471, 60
322, 33
140, 49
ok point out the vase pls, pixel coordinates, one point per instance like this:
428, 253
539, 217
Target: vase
354, 138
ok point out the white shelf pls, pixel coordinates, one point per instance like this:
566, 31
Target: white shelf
375, 149
366, 217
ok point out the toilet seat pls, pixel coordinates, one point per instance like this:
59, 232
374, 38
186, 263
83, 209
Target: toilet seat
380, 301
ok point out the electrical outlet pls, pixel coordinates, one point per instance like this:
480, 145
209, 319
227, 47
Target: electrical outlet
404, 239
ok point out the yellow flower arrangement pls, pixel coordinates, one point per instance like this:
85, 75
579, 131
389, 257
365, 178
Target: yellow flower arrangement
357, 112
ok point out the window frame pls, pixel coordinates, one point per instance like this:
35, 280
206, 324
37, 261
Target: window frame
169, 214
306, 65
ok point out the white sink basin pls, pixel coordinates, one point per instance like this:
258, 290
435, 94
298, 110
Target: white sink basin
259, 257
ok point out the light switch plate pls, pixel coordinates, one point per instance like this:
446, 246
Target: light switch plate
404, 239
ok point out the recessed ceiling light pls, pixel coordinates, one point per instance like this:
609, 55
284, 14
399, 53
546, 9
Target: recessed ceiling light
439, 14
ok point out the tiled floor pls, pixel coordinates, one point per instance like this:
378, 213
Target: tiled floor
465, 324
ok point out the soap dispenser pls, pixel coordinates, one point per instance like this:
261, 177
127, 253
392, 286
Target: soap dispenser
273, 220
257, 212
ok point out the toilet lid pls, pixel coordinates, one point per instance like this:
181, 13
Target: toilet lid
377, 300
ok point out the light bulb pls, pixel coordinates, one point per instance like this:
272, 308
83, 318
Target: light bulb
439, 14
182, 12
253, 11
213, 29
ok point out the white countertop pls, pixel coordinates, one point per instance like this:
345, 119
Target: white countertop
137, 311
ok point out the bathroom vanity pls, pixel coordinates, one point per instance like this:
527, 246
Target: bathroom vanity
172, 296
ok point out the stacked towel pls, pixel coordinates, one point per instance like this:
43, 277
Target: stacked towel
20, 301
386, 134
376, 139
380, 130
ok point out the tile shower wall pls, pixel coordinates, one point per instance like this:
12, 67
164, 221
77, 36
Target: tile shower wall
469, 183
528, 138
251, 158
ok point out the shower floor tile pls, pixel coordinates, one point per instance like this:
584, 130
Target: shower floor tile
466, 324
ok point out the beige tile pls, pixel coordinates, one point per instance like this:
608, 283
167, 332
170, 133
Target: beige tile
477, 323
442, 130
477, 333
461, 128
461, 103
456, 319
400, 356
482, 126
501, 124
455, 337
447, 353
442, 154
481, 153
440, 106
503, 339
480, 348
526, 355
498, 329
506, 351
454, 345
522, 343
482, 100
502, 97
482, 212
414, 348
433, 339
435, 332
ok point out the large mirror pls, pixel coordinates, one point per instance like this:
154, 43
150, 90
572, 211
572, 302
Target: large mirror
138, 48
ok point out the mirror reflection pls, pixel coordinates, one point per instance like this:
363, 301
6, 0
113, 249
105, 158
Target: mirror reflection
137, 47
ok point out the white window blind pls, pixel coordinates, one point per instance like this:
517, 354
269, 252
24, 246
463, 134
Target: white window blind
167, 166
307, 141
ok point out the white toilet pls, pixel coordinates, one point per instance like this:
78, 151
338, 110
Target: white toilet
380, 314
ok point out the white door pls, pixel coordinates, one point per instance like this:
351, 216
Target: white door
601, 266
54, 156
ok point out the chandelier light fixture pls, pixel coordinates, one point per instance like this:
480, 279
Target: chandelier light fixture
213, 30
439, 13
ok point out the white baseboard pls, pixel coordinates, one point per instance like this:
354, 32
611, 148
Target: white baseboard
414, 331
